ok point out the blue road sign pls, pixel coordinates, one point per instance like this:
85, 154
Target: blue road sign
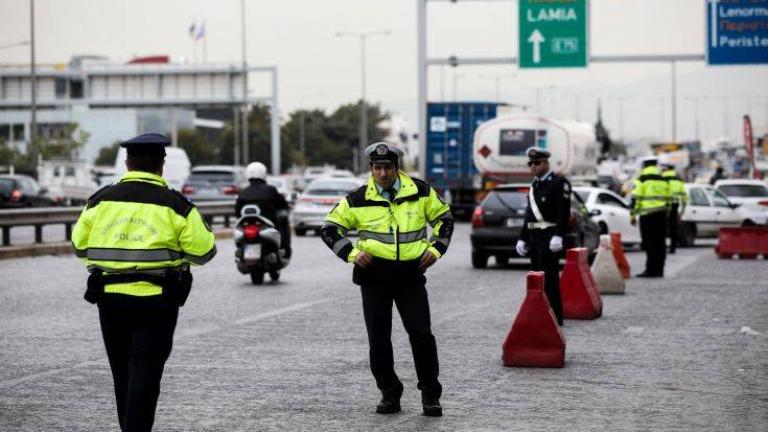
737, 32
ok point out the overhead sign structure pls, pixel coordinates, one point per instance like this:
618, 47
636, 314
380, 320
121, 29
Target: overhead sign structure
553, 33
737, 32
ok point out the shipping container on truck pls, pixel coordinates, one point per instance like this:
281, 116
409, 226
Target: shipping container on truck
449, 160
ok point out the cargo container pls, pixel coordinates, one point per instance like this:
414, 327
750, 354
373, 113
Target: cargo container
449, 157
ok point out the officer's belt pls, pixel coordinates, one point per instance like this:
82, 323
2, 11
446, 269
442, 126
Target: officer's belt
387, 238
540, 225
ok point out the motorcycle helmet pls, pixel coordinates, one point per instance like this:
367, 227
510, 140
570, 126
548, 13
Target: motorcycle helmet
256, 170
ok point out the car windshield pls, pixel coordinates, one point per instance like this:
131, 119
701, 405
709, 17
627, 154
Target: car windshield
513, 200
211, 177
584, 195
330, 188
744, 190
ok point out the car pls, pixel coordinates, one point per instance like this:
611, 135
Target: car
214, 183
706, 212
498, 219
175, 169
18, 190
610, 211
318, 199
750, 195
283, 185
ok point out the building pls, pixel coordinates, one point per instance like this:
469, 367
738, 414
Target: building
115, 101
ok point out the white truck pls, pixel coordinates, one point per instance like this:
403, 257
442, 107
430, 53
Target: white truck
499, 147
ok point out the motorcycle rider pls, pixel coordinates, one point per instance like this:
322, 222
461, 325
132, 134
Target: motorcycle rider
271, 202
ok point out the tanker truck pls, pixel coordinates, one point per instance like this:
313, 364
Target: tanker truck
499, 148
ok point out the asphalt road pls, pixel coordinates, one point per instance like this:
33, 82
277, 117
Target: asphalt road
293, 356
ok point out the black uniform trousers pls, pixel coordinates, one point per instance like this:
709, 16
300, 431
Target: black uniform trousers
543, 259
672, 224
138, 335
413, 305
653, 228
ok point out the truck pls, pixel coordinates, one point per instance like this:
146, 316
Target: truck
449, 164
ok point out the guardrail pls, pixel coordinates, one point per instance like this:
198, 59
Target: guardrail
67, 216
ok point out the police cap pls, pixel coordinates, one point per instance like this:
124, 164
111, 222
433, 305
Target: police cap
383, 152
537, 153
649, 161
148, 144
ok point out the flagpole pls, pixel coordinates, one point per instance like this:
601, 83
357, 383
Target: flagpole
205, 43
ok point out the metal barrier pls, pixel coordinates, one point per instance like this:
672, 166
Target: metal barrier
39, 217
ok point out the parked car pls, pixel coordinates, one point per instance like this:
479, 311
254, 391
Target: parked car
18, 191
318, 199
707, 211
750, 195
175, 170
497, 221
214, 183
610, 211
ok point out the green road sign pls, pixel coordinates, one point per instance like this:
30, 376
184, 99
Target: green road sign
553, 33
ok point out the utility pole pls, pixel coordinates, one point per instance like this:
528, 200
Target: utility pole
363, 36
33, 150
244, 113
674, 101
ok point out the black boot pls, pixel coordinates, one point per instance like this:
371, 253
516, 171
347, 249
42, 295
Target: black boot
432, 407
388, 406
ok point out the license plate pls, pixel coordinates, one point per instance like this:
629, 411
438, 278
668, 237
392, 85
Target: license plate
252, 251
514, 222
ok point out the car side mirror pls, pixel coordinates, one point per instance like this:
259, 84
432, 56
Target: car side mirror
734, 205
595, 212
43, 190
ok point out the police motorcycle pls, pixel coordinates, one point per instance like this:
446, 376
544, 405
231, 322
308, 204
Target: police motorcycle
259, 249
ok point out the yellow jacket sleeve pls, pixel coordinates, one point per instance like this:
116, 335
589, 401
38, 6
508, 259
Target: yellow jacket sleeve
81, 232
196, 239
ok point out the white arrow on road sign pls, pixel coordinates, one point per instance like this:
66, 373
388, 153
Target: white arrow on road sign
536, 39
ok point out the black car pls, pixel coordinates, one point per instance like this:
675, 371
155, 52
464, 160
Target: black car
22, 191
497, 221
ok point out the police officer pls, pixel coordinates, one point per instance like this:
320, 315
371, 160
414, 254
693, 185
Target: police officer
138, 238
546, 223
650, 201
676, 205
390, 214
271, 202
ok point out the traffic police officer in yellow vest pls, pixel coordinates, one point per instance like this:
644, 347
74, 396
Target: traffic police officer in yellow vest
391, 214
546, 224
138, 238
650, 201
676, 205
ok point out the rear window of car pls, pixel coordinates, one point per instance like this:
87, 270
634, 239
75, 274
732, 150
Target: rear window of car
330, 188
744, 191
211, 177
6, 186
506, 199
584, 195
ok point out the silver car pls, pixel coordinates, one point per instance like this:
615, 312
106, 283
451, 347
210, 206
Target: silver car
318, 199
214, 183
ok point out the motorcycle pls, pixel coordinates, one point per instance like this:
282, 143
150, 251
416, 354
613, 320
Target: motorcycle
258, 246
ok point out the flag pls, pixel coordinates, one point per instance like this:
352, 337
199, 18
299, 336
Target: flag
200, 31
192, 29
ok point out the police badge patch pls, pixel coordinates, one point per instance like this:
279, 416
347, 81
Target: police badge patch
382, 150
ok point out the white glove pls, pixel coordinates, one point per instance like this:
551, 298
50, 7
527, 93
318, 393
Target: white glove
556, 244
521, 248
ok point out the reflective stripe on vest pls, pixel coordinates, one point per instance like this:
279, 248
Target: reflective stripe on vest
150, 255
405, 237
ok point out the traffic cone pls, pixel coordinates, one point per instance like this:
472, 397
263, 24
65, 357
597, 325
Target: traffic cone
580, 298
535, 339
618, 254
606, 272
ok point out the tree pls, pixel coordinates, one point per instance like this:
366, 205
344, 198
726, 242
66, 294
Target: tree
66, 146
198, 149
107, 155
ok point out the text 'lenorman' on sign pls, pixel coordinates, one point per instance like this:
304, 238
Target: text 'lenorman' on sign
737, 31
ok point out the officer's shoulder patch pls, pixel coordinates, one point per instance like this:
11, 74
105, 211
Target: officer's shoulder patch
96, 196
422, 187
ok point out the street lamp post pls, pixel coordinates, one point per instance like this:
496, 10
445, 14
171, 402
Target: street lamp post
363, 109
244, 113
33, 123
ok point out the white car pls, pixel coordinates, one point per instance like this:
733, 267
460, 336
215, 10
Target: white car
283, 185
750, 195
318, 199
610, 212
707, 211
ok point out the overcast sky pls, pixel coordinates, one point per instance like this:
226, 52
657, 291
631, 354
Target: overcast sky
318, 69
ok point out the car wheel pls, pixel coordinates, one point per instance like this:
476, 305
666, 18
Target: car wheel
257, 277
603, 228
479, 260
748, 223
274, 275
502, 260
687, 235
300, 232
